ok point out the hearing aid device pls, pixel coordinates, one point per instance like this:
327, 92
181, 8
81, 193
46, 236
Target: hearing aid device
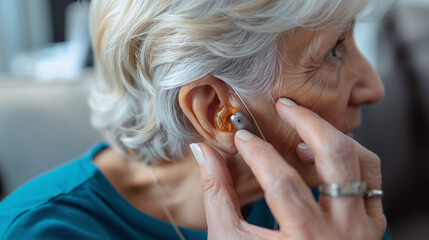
222, 119
240, 121
229, 119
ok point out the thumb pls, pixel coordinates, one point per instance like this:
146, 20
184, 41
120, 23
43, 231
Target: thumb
220, 200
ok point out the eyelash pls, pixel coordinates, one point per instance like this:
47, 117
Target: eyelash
333, 52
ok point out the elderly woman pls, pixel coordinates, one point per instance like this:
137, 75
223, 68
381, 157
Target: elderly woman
173, 73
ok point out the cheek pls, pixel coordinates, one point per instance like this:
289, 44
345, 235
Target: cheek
333, 104
332, 114
278, 133
324, 91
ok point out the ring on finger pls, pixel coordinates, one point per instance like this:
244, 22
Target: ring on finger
374, 193
343, 189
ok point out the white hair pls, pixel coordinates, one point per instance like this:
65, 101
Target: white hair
145, 50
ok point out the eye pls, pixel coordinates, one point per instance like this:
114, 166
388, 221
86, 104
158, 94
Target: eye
333, 53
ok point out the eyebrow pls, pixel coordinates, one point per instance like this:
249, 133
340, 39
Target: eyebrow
317, 45
350, 25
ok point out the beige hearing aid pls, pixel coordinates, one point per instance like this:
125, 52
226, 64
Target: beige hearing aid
229, 119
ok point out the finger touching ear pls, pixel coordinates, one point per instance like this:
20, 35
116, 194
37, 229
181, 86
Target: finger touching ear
199, 101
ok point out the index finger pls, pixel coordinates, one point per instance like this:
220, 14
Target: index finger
335, 157
335, 154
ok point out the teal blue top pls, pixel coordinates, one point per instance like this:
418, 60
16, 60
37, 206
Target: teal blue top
76, 201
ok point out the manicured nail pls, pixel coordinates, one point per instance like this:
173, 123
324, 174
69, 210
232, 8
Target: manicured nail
303, 146
288, 102
244, 135
198, 153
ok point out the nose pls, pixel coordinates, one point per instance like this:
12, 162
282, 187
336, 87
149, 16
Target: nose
369, 88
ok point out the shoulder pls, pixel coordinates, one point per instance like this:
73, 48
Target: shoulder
49, 221
49, 200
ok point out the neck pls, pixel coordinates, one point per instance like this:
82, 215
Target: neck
178, 183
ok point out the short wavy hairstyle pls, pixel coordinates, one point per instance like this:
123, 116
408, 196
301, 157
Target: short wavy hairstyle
145, 50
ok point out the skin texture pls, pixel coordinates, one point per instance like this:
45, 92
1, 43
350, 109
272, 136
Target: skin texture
332, 83
291, 202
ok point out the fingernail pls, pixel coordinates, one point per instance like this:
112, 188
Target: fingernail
303, 146
198, 153
244, 135
287, 102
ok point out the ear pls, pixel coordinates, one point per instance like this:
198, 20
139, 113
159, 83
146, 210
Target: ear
199, 101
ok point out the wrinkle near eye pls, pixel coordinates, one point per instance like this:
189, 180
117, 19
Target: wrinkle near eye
316, 47
311, 72
311, 58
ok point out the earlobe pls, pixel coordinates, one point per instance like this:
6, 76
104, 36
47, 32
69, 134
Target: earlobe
203, 102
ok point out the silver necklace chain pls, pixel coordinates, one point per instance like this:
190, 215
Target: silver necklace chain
167, 212
161, 195
276, 225
164, 205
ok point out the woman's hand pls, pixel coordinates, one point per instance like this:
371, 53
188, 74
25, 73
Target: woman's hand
338, 159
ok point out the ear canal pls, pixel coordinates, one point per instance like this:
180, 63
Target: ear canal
222, 118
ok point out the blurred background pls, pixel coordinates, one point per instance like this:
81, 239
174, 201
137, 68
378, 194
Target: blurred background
46, 72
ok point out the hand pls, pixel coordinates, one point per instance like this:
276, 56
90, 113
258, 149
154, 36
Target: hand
338, 159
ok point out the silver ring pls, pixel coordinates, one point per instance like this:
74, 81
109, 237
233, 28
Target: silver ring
343, 189
374, 193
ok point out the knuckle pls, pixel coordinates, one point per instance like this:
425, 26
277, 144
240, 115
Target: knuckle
340, 148
371, 170
374, 161
285, 182
209, 184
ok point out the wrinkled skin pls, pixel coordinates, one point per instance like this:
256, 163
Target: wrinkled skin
338, 158
324, 73
329, 79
